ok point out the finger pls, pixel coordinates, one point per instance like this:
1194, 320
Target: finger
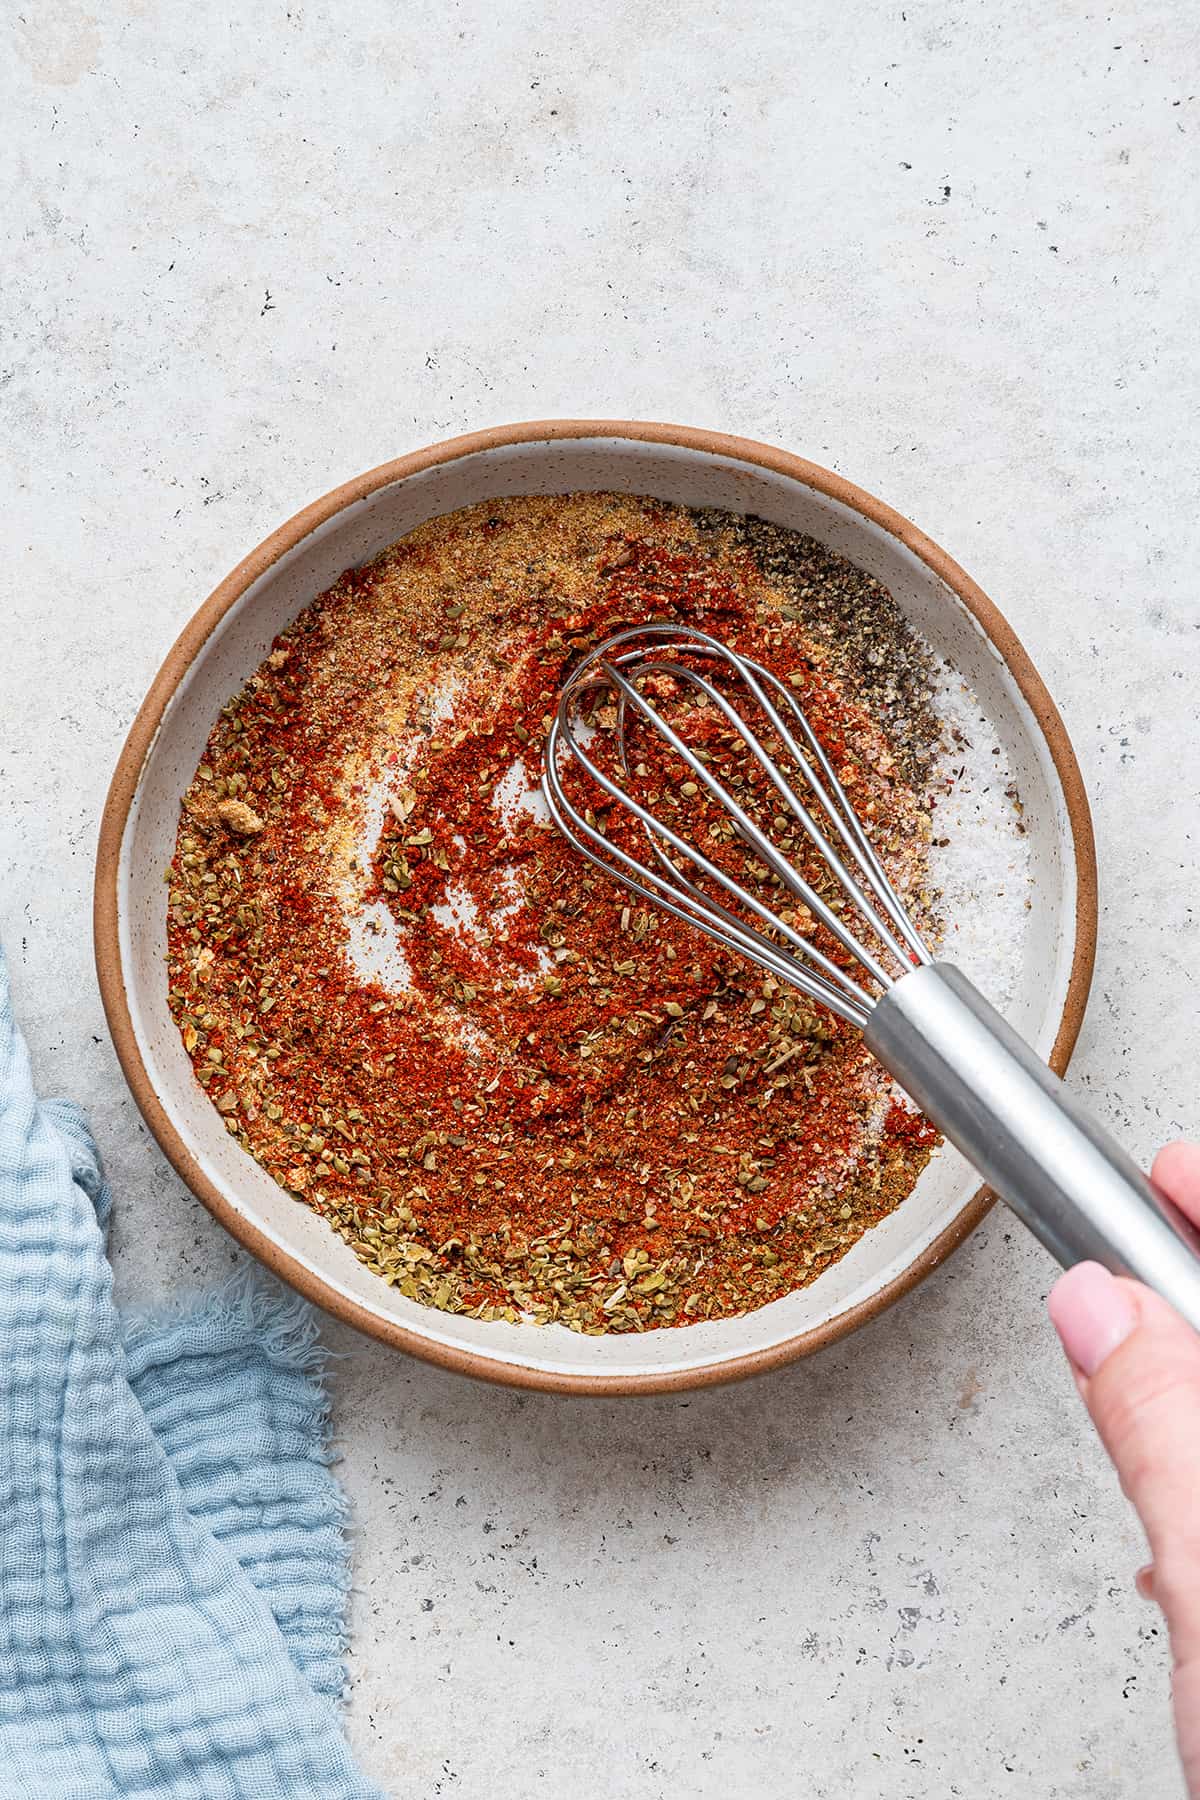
1177, 1172
1140, 1365
1143, 1581
1185, 1695
1093, 1315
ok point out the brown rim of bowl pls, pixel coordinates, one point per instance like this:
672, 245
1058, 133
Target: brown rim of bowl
194, 634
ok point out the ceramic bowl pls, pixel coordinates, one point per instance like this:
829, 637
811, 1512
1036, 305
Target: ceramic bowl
224, 643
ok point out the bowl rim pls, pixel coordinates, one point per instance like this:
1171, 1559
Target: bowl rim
126, 780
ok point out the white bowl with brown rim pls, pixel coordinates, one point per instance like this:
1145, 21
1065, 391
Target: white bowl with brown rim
224, 643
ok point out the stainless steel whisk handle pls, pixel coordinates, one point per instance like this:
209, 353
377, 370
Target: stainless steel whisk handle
1032, 1142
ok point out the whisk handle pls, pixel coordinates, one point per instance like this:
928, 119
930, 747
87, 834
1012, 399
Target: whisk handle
1030, 1139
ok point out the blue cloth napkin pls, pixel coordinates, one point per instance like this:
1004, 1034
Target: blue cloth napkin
173, 1562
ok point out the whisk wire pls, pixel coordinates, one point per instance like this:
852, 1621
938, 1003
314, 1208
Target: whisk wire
725, 929
748, 830
694, 855
689, 904
828, 791
620, 665
842, 816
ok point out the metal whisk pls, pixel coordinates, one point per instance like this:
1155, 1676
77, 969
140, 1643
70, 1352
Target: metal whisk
967, 1070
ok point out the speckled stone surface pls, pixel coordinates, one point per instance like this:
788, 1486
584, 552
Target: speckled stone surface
943, 249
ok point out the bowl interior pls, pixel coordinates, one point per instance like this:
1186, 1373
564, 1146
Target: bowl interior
1040, 958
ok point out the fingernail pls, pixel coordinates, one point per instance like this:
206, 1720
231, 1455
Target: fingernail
1092, 1314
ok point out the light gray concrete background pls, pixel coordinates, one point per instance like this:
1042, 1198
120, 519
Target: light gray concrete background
947, 248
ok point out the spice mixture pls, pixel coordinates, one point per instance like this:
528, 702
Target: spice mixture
514, 1092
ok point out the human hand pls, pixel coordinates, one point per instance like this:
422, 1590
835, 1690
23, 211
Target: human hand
1137, 1366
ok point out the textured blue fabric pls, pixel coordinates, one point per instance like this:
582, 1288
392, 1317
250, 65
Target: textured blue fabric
172, 1549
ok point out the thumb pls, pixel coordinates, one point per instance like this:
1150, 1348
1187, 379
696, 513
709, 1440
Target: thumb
1138, 1368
